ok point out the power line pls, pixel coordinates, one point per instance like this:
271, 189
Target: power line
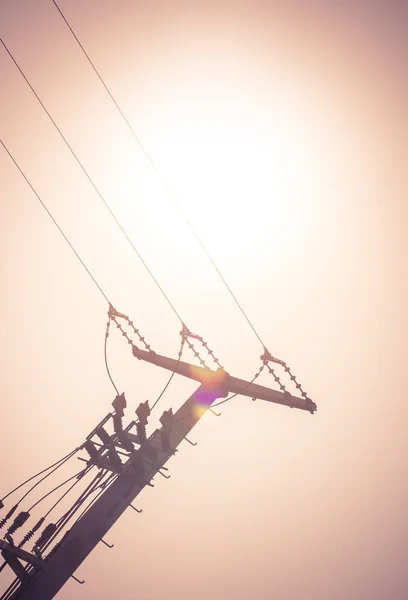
54, 221
164, 183
82, 471
40, 473
106, 357
112, 214
170, 378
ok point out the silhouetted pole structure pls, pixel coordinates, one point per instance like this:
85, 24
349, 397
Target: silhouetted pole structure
46, 575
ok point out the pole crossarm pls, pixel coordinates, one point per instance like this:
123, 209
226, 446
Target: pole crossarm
224, 381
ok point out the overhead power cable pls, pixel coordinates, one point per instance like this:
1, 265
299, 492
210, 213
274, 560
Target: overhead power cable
164, 183
48, 474
54, 221
58, 462
77, 475
106, 356
170, 378
108, 208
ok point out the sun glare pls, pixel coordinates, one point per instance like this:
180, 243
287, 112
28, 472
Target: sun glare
239, 172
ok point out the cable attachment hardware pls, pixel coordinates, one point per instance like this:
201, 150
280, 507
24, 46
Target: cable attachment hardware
47, 533
123, 332
114, 314
140, 336
31, 533
266, 358
297, 384
8, 515
186, 333
119, 404
18, 522
58, 544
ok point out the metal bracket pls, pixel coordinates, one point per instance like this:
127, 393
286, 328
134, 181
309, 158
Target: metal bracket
136, 509
164, 475
21, 554
78, 580
107, 545
190, 442
214, 413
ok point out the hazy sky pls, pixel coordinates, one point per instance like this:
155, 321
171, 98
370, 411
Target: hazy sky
282, 129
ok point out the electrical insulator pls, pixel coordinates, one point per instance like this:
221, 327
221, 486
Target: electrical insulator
91, 449
58, 544
31, 533
167, 419
18, 522
46, 534
143, 411
119, 403
104, 436
114, 457
141, 432
8, 515
117, 423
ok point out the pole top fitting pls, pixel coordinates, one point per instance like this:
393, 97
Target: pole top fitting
267, 357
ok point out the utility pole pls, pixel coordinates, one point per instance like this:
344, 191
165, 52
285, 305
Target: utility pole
46, 573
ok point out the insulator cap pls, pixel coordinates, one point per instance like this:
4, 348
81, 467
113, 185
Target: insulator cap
119, 403
8, 515
31, 533
18, 522
46, 534
58, 544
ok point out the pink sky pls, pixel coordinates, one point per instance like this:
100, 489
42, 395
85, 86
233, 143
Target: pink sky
282, 128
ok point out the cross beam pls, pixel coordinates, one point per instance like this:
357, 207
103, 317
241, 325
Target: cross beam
224, 381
